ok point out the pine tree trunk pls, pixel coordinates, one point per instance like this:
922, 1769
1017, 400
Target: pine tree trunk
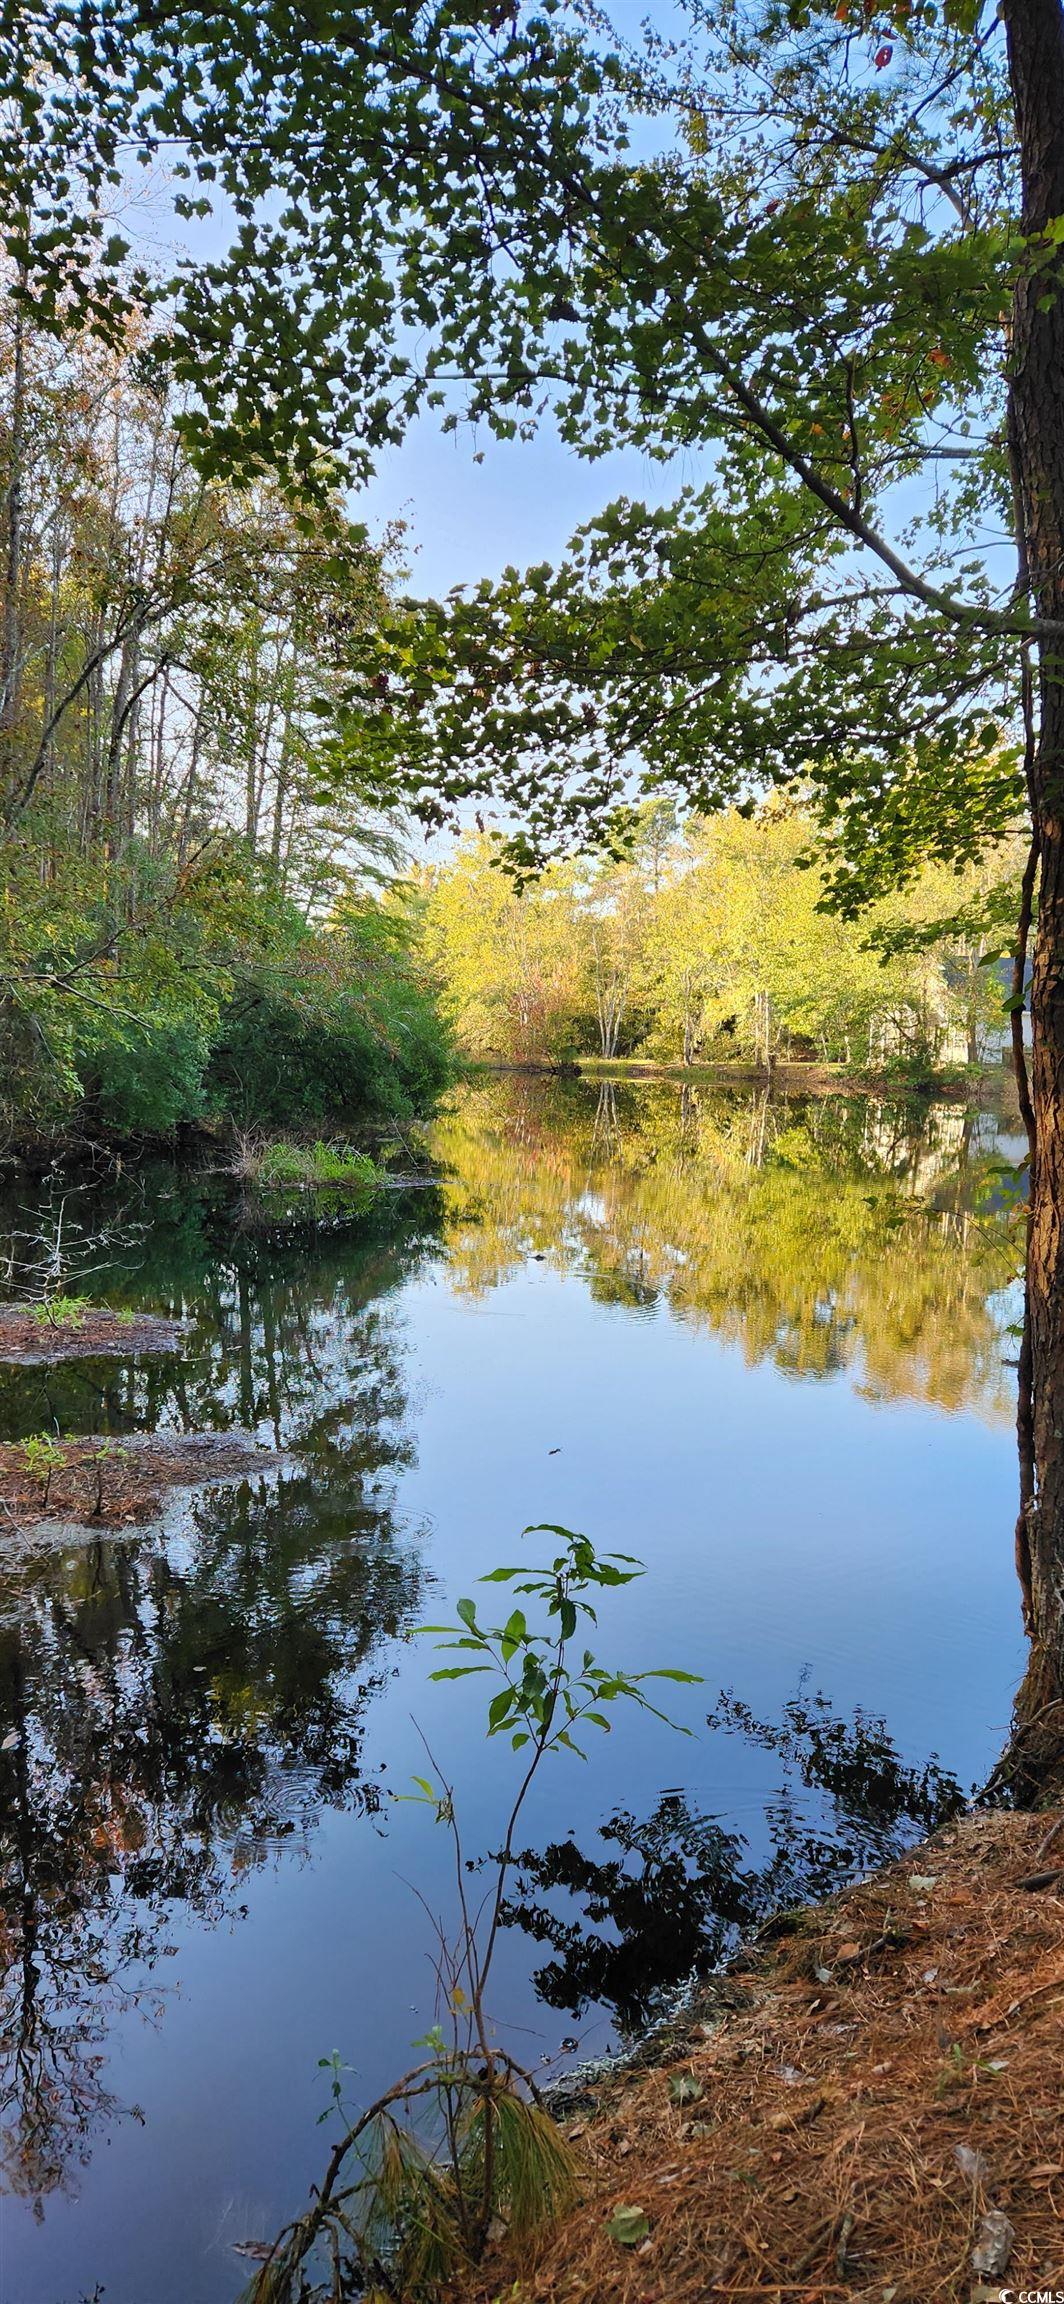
1035, 31
10, 638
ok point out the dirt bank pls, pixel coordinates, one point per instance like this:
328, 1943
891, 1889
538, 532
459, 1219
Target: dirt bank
859, 2107
115, 1483
31, 1337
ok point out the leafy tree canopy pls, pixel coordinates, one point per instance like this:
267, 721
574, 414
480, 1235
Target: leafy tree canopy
807, 289
778, 250
394, 178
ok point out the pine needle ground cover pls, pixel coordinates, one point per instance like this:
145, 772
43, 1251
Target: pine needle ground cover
103, 1482
881, 2104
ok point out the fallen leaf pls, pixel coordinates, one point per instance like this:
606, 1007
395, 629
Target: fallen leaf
628, 2226
685, 2089
801, 2113
848, 1952
10, 1740
971, 2164
993, 2249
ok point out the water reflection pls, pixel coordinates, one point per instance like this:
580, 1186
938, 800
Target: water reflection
818, 1234
182, 1708
673, 1888
179, 1707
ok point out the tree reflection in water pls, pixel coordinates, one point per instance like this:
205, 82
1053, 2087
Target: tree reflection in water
178, 1706
674, 1889
818, 1234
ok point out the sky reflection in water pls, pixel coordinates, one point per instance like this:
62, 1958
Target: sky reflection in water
763, 1345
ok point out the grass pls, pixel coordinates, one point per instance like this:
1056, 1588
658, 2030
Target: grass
418, 2217
280, 1165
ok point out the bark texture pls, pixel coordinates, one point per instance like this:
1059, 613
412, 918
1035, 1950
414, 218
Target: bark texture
1035, 31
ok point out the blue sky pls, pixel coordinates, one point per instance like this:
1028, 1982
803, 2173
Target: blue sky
521, 504
465, 519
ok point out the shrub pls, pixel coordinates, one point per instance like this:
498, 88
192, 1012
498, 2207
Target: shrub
334, 1026
315, 1165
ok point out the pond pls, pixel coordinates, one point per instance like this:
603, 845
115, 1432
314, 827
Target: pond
766, 1344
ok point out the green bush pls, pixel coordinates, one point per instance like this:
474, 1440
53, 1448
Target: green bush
144, 1078
331, 1027
137, 1002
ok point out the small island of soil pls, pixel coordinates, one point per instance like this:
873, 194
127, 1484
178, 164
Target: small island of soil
111, 1483
869, 2106
29, 1337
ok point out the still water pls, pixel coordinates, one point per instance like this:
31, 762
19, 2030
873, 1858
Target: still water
764, 1345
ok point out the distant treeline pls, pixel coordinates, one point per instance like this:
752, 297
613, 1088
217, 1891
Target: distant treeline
191, 922
715, 940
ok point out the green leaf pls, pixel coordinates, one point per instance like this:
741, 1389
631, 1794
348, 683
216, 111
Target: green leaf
628, 2226
499, 1710
458, 1671
467, 1613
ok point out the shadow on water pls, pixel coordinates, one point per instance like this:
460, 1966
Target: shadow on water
181, 1706
672, 1891
184, 1708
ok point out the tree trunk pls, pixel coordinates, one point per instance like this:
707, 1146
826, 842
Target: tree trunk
10, 636
1035, 30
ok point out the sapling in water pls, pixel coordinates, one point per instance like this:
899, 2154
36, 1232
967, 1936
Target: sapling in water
60, 1312
399, 2210
42, 1456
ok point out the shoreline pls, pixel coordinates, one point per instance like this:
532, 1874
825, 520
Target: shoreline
864, 2102
808, 1078
191, 1145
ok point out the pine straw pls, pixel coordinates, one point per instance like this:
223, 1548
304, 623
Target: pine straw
93, 1334
820, 2160
113, 1483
